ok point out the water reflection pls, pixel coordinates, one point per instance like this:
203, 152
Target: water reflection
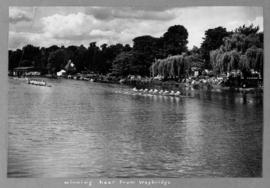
83, 129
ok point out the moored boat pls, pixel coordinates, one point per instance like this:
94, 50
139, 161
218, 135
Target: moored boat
37, 82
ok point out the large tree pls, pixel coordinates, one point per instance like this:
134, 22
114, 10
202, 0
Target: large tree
14, 58
175, 67
144, 51
122, 64
92, 54
175, 40
242, 50
213, 39
30, 52
57, 60
247, 30
146, 44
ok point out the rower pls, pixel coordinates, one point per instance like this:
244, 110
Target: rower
165, 92
177, 93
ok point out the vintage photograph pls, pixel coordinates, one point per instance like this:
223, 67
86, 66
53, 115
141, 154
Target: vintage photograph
135, 92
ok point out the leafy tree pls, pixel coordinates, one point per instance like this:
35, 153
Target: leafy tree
57, 60
122, 64
145, 44
127, 48
77, 55
175, 67
242, 42
247, 30
225, 61
30, 52
92, 53
194, 50
14, 58
254, 58
241, 49
26, 63
52, 48
213, 39
81, 60
107, 56
175, 40
145, 50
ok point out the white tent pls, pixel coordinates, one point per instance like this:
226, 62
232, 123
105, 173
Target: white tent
60, 73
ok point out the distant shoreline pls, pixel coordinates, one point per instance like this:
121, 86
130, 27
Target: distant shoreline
169, 85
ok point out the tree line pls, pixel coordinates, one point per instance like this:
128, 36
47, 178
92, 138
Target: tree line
221, 50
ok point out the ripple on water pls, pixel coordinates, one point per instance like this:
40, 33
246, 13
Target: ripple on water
83, 129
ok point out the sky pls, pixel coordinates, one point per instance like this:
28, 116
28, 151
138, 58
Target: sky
47, 26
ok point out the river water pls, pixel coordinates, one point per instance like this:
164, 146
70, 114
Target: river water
84, 129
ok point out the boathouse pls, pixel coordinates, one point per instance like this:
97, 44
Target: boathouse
22, 71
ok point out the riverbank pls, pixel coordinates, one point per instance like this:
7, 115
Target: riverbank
214, 84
